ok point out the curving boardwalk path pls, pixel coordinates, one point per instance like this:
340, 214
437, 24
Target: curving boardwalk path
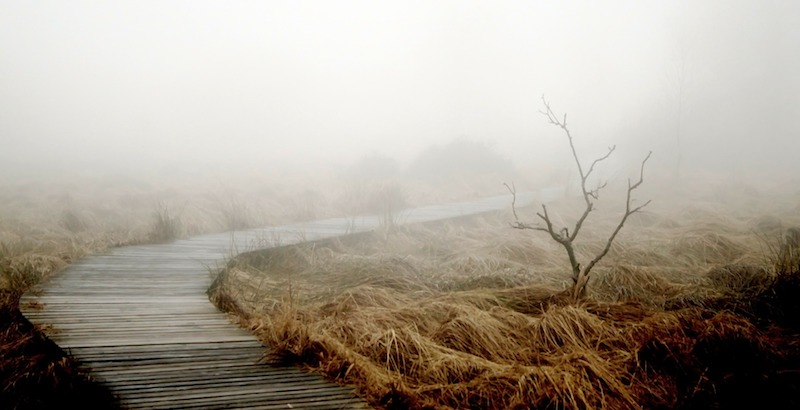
139, 320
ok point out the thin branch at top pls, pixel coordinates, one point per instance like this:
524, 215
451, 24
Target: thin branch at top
628, 212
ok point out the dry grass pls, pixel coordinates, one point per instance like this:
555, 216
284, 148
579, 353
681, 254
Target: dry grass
448, 315
455, 316
46, 222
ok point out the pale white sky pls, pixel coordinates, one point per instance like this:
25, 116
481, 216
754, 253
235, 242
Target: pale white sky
141, 82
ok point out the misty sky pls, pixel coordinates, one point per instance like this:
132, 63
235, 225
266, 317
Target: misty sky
292, 82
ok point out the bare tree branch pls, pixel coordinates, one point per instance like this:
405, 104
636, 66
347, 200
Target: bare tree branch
513, 190
563, 236
517, 224
628, 212
604, 157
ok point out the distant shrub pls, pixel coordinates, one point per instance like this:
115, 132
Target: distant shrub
372, 187
166, 227
460, 157
374, 166
306, 205
73, 222
236, 215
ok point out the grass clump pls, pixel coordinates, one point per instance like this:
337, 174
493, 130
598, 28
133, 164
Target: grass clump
166, 226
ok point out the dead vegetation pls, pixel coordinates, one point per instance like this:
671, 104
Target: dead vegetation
680, 315
457, 315
47, 222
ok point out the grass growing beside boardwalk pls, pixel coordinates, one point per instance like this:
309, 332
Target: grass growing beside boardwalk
688, 311
35, 373
46, 223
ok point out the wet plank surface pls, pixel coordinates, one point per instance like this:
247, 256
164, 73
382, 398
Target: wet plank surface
139, 320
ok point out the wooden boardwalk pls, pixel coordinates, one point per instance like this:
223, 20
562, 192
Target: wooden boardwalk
138, 319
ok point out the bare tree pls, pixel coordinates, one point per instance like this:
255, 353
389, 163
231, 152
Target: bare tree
566, 236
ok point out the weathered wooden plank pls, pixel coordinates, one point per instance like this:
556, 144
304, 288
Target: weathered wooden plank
232, 376
177, 350
136, 380
138, 321
264, 394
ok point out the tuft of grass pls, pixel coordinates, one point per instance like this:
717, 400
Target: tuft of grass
625, 283
73, 222
166, 226
741, 279
236, 214
713, 359
786, 258
703, 248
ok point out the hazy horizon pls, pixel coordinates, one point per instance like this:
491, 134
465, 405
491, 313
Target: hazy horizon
121, 86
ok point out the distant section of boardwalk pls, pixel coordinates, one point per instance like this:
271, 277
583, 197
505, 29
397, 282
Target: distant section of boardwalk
139, 320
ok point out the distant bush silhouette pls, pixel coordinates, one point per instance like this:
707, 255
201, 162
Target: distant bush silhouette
460, 157
373, 166
166, 227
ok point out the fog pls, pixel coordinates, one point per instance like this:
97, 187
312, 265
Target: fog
132, 86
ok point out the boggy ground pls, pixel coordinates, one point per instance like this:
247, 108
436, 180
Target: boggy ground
696, 306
